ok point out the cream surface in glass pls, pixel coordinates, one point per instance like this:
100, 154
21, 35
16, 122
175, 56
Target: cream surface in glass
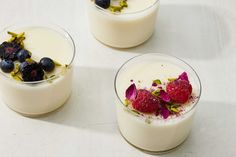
40, 97
131, 27
158, 134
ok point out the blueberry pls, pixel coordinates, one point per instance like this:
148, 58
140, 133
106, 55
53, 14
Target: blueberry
103, 3
31, 71
7, 65
47, 64
8, 50
23, 66
22, 55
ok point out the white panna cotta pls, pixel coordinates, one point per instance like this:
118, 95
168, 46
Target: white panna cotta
40, 97
130, 27
150, 132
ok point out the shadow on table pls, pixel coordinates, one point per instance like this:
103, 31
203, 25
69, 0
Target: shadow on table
91, 104
189, 31
91, 107
213, 132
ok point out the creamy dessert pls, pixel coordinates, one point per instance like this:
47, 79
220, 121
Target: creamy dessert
36, 68
156, 100
122, 23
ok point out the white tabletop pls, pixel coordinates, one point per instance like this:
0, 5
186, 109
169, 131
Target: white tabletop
202, 32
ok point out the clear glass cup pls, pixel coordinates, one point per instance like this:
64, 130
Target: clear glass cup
122, 30
159, 135
40, 97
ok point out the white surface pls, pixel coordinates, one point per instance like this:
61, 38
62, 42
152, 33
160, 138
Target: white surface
201, 32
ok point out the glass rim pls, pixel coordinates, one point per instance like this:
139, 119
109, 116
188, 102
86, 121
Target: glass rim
166, 55
51, 26
130, 13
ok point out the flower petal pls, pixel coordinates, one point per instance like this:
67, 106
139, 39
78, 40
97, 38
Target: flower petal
183, 76
165, 112
164, 96
131, 92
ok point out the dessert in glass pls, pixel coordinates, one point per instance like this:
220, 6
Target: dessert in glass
35, 68
156, 100
122, 23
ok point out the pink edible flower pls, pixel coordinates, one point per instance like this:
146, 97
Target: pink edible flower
183, 76
164, 96
165, 112
131, 92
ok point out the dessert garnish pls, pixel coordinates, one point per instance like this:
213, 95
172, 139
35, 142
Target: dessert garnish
31, 71
47, 64
7, 65
17, 61
23, 54
106, 4
118, 8
103, 3
163, 99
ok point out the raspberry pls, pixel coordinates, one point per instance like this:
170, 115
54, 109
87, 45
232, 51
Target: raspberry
179, 90
145, 102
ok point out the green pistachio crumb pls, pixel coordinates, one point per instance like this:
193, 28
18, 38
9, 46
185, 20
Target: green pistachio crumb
16, 70
171, 79
126, 102
12, 34
174, 109
157, 81
29, 60
57, 63
123, 4
156, 92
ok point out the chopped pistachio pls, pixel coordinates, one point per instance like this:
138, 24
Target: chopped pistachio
157, 81
126, 102
12, 34
57, 63
174, 109
122, 5
156, 92
17, 77
171, 79
16, 70
29, 60
115, 8
20, 35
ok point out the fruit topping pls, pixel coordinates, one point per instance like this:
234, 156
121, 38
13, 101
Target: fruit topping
145, 102
47, 64
8, 50
103, 3
162, 98
22, 55
179, 91
12, 53
7, 65
31, 71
